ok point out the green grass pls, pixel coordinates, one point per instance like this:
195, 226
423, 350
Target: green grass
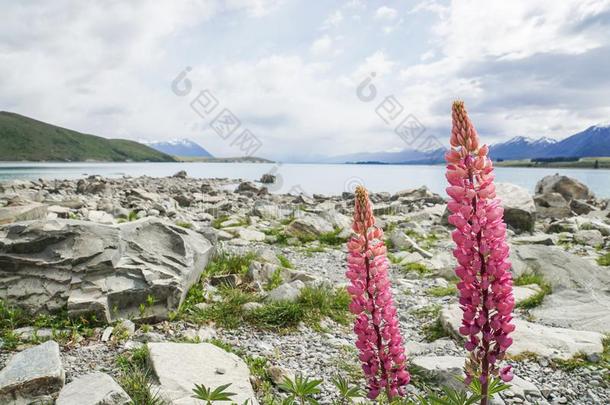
332, 238
63, 328
604, 260
535, 300
580, 360
227, 312
313, 305
432, 328
418, 268
24, 138
136, 377
276, 280
217, 222
184, 224
284, 261
281, 238
427, 241
224, 263
442, 291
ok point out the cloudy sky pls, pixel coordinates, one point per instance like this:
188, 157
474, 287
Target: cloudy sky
289, 70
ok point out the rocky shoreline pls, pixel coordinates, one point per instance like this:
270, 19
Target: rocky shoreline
120, 261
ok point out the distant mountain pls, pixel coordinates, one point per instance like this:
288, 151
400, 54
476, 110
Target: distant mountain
23, 138
179, 147
592, 142
520, 147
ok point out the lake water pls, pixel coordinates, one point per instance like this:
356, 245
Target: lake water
309, 178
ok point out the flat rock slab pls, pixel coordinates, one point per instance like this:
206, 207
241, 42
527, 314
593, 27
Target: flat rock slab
447, 370
93, 389
561, 269
180, 366
22, 213
582, 310
33, 373
529, 337
99, 269
521, 293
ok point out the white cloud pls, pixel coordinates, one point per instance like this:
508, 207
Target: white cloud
322, 45
386, 13
531, 67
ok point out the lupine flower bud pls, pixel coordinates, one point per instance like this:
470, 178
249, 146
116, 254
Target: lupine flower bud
378, 337
486, 295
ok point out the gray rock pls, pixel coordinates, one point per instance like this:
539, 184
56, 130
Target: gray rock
181, 174
552, 205
521, 293
179, 366
268, 178
403, 242
568, 187
106, 270
286, 292
33, 373
519, 207
589, 237
546, 341
582, 310
580, 207
279, 374
249, 187
558, 267
93, 389
539, 239
28, 212
309, 226
445, 369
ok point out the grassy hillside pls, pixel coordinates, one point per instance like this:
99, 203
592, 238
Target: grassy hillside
23, 138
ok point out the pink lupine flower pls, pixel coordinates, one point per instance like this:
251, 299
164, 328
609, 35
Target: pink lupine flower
378, 337
486, 295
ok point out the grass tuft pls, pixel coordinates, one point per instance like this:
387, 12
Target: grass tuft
535, 300
604, 260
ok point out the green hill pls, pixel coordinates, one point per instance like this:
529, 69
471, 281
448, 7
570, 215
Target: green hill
23, 138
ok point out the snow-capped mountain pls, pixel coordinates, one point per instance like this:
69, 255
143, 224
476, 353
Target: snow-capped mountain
592, 142
520, 147
178, 147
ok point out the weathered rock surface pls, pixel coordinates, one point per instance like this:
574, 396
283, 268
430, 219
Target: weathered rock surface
26, 212
552, 205
529, 337
92, 268
519, 207
93, 389
588, 310
309, 226
568, 187
179, 366
558, 267
33, 374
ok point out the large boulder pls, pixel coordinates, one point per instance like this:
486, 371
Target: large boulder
105, 270
93, 389
568, 187
179, 366
529, 337
35, 374
519, 207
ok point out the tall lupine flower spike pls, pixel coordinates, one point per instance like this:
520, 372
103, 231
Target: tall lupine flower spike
379, 342
486, 295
